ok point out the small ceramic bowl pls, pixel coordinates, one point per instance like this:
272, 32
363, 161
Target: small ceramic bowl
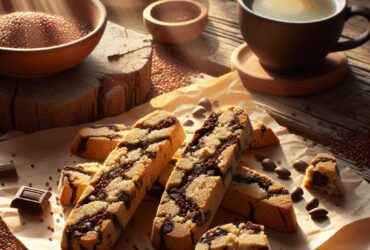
40, 62
175, 21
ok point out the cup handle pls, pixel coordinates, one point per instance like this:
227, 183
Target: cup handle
364, 37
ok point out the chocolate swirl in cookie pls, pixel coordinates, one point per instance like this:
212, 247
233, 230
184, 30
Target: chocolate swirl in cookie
113, 183
208, 157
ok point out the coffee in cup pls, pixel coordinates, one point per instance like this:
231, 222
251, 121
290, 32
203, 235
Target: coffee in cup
294, 10
293, 36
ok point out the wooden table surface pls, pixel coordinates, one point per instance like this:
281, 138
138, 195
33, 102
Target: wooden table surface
338, 116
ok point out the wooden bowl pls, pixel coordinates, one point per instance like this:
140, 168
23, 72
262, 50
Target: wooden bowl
40, 62
175, 21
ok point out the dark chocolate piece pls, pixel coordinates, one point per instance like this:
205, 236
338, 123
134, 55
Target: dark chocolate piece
314, 203
297, 194
260, 156
283, 173
268, 165
205, 103
31, 199
318, 213
7, 240
210, 236
8, 170
300, 165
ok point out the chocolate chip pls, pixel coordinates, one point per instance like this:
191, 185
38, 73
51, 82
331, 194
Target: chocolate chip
319, 179
268, 165
167, 227
206, 103
199, 112
297, 194
283, 173
318, 213
314, 203
300, 165
188, 123
260, 156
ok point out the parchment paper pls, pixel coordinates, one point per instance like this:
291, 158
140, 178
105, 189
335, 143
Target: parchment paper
49, 150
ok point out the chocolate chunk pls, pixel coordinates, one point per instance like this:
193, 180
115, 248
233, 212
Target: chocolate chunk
283, 173
205, 103
319, 179
268, 164
260, 156
199, 112
300, 165
31, 199
318, 213
314, 203
297, 194
212, 235
7, 240
188, 123
8, 170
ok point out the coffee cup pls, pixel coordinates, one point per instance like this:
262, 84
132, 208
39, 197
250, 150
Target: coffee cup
293, 36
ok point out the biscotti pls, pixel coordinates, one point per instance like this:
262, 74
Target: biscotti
196, 187
245, 236
7, 240
323, 175
262, 136
96, 142
260, 199
73, 181
118, 187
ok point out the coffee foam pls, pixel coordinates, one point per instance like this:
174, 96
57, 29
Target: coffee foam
294, 10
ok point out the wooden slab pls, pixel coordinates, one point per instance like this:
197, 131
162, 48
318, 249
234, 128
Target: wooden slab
113, 79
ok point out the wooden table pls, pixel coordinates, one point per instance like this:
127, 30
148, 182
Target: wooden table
340, 113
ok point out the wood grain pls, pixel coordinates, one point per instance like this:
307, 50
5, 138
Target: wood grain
113, 79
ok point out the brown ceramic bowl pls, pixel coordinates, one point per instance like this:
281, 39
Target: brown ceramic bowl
40, 62
175, 21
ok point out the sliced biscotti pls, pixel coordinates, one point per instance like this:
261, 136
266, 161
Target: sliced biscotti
196, 187
118, 187
96, 142
323, 174
7, 240
73, 181
245, 236
263, 136
260, 199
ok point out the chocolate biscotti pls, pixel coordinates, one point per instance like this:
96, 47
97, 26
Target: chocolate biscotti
73, 181
245, 236
263, 136
7, 240
323, 175
196, 187
260, 199
118, 187
96, 142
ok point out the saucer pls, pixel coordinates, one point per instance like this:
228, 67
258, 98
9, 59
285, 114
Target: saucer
257, 78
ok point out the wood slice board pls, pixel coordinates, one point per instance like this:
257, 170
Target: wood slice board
113, 79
